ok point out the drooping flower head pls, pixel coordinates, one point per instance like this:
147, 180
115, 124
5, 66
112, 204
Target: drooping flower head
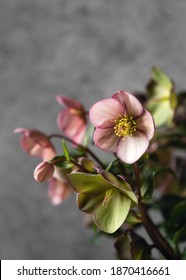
36, 143
122, 126
58, 191
107, 197
72, 120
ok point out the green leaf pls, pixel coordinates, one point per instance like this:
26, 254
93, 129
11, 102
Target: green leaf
184, 254
167, 203
78, 152
180, 235
162, 170
139, 248
110, 213
60, 161
122, 247
133, 219
149, 180
65, 150
147, 189
178, 215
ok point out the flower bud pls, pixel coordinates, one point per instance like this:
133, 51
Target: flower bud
43, 171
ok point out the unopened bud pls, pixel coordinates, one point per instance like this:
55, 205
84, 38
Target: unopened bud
43, 171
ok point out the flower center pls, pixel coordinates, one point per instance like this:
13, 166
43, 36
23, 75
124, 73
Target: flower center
124, 126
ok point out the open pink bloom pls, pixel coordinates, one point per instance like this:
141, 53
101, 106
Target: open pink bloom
72, 120
122, 126
36, 143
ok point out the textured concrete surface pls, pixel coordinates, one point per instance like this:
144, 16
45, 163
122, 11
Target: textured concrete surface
85, 49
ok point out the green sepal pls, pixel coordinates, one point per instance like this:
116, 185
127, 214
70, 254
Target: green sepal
159, 76
87, 183
110, 213
162, 97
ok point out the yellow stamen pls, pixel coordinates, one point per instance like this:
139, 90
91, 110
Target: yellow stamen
124, 126
77, 112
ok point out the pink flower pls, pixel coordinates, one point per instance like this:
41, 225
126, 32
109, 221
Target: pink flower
58, 191
36, 143
72, 120
122, 126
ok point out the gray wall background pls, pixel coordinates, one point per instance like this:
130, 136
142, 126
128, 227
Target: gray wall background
86, 49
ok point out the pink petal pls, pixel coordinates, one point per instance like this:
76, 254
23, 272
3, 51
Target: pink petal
80, 134
40, 138
69, 102
133, 147
37, 136
48, 154
73, 126
106, 139
58, 191
43, 172
106, 110
30, 147
130, 102
145, 123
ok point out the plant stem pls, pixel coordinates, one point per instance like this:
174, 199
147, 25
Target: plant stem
154, 233
71, 161
86, 149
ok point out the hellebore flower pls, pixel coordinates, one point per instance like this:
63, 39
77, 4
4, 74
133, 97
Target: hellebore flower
122, 126
43, 171
162, 99
58, 188
108, 198
36, 143
72, 120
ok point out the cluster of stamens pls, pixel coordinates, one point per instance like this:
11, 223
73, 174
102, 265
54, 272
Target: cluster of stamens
124, 126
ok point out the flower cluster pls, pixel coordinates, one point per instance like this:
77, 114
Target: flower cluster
145, 169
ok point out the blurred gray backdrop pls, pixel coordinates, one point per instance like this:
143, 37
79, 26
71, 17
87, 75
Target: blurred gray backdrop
86, 49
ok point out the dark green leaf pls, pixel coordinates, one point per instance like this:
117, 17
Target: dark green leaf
167, 203
184, 254
178, 215
139, 248
123, 247
180, 235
